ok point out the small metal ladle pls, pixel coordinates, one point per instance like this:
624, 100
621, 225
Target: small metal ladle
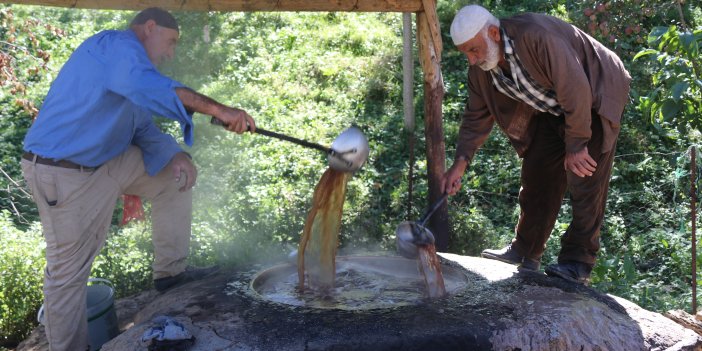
409, 235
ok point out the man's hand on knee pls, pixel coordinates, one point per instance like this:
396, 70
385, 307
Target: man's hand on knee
182, 166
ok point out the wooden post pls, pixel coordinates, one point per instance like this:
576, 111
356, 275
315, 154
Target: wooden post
693, 214
430, 46
408, 102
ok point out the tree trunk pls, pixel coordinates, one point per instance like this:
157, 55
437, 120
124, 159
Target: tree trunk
429, 40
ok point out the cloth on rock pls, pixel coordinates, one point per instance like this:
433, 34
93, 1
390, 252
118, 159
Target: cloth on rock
167, 334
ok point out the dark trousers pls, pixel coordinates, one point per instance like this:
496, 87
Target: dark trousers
544, 182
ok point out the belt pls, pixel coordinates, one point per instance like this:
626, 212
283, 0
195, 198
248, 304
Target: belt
60, 163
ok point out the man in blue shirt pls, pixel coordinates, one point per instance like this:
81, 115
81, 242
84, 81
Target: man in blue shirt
94, 140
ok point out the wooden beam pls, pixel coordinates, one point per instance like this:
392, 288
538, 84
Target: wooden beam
239, 5
430, 57
433, 22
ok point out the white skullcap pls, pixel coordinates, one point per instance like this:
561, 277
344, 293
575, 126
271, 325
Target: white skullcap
468, 22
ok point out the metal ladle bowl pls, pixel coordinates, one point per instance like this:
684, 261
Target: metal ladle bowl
349, 151
410, 235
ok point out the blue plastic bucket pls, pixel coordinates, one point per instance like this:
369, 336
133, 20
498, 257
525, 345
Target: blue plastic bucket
102, 317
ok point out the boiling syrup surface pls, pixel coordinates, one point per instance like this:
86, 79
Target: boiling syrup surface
362, 282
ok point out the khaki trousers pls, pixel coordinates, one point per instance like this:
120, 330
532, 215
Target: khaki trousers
76, 208
544, 183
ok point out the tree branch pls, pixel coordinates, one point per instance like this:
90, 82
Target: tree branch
21, 189
678, 4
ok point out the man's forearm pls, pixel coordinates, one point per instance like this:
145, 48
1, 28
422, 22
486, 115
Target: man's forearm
194, 101
234, 119
461, 162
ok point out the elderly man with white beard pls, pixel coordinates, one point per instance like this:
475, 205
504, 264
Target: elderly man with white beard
558, 95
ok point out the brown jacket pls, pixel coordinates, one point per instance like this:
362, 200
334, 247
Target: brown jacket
585, 75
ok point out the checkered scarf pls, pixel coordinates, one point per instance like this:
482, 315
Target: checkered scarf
521, 86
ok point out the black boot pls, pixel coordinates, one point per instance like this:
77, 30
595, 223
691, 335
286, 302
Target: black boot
511, 256
190, 274
576, 272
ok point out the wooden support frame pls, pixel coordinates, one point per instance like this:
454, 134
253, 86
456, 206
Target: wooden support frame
428, 39
240, 5
430, 46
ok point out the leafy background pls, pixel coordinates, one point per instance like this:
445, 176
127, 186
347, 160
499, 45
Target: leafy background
312, 75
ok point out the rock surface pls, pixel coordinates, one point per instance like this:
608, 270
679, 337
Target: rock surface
686, 320
500, 309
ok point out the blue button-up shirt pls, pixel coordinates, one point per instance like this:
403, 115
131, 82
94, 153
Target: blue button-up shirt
103, 100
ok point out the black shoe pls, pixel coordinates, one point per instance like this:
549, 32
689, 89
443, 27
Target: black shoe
530, 264
511, 256
576, 272
190, 274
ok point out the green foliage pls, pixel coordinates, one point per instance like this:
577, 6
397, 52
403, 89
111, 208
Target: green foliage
197, 44
654, 271
126, 258
653, 267
311, 75
674, 104
622, 25
21, 274
25, 48
296, 79
645, 238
